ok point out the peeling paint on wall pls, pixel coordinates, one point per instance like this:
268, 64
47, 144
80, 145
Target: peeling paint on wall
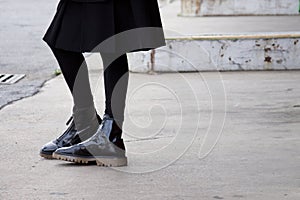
224, 55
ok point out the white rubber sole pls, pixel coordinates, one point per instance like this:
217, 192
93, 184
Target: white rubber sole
101, 161
46, 156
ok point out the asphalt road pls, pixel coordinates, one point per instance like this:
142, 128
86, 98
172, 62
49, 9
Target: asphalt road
22, 50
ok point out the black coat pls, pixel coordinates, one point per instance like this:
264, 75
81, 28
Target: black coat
81, 25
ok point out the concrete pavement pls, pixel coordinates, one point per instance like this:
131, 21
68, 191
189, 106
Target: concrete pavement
179, 145
255, 157
216, 25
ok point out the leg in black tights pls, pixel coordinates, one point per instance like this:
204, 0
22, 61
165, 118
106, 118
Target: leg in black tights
75, 72
116, 82
116, 77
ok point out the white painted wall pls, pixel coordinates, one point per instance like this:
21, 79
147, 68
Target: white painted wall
221, 54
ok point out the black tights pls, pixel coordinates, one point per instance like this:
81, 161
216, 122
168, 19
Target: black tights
74, 67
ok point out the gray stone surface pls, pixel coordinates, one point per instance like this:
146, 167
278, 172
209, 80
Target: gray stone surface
256, 156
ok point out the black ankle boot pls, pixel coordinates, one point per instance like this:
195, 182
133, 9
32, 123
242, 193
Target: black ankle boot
86, 123
101, 147
71, 136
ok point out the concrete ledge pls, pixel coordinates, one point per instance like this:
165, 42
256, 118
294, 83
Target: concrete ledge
239, 7
264, 51
237, 36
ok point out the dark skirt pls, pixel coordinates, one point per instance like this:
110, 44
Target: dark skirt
81, 27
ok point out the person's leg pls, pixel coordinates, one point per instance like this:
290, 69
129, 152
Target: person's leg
116, 82
85, 120
75, 72
106, 146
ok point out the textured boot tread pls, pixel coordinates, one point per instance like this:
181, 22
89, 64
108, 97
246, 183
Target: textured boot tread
46, 156
105, 162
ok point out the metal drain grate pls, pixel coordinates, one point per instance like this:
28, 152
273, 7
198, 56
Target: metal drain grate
10, 78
